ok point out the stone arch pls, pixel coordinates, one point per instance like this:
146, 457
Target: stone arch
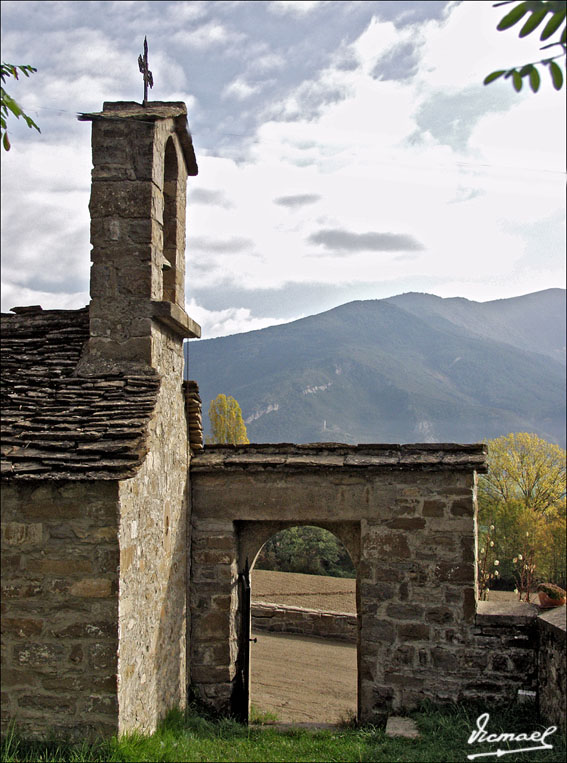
347, 533
253, 535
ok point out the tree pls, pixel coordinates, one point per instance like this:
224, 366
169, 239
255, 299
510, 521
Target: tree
8, 105
227, 425
523, 497
524, 468
538, 11
310, 550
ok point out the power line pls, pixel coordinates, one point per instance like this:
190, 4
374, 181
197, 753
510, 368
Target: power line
410, 165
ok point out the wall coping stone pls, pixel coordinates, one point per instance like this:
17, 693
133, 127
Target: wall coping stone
555, 619
270, 606
505, 612
419, 456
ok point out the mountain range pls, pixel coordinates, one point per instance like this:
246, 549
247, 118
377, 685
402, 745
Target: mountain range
410, 368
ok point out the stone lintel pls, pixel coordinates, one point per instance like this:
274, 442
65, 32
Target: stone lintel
175, 319
153, 111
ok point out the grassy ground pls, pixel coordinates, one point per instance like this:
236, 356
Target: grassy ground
195, 737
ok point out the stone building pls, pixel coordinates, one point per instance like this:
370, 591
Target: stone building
94, 496
124, 541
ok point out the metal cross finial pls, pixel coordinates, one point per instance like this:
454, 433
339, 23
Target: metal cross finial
143, 66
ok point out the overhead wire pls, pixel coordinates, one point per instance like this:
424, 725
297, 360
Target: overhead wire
415, 165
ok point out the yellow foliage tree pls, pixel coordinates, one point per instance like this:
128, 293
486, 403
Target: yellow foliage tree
527, 469
524, 497
227, 424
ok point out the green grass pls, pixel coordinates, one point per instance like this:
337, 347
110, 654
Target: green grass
196, 737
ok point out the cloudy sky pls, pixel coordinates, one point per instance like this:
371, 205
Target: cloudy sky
347, 150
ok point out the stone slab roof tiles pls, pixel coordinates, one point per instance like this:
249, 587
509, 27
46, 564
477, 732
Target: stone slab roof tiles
59, 426
417, 457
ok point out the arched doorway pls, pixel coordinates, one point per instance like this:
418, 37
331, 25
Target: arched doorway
303, 653
252, 537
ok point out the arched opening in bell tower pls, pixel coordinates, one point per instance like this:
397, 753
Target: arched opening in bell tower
170, 223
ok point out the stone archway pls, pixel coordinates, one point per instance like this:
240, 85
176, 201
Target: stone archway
407, 513
303, 663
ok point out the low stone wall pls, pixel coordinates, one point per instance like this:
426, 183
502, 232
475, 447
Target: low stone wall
279, 618
513, 646
503, 651
551, 667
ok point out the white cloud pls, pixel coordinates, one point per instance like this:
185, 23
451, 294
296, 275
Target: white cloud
295, 7
232, 320
240, 89
211, 33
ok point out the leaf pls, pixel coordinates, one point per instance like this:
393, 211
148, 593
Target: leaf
494, 75
556, 75
517, 80
6, 142
30, 123
526, 70
553, 25
513, 17
534, 79
563, 38
533, 22
8, 101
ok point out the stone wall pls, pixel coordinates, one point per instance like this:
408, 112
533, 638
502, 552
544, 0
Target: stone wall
60, 607
552, 667
501, 656
214, 606
407, 516
153, 553
280, 618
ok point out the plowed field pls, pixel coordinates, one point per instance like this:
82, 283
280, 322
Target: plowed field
309, 591
303, 679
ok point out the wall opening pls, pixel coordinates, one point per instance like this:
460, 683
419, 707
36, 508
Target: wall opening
170, 222
304, 660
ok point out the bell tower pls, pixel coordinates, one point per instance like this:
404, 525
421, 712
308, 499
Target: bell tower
142, 155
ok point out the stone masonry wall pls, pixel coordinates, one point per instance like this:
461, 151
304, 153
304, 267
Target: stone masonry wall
415, 567
501, 653
552, 679
280, 618
153, 546
59, 607
214, 603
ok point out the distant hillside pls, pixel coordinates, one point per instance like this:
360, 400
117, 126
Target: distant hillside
412, 368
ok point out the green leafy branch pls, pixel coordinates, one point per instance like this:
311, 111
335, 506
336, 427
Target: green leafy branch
538, 11
8, 105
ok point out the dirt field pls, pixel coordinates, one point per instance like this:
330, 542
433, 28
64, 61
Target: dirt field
303, 679
310, 591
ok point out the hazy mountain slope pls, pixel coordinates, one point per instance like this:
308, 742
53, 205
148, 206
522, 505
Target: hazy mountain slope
535, 322
400, 370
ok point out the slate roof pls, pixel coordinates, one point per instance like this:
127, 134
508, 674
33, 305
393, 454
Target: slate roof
58, 426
